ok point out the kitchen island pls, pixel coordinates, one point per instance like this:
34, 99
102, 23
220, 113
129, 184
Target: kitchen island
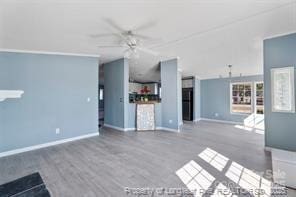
149, 113
145, 113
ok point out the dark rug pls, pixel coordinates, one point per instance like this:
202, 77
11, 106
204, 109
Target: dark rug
28, 186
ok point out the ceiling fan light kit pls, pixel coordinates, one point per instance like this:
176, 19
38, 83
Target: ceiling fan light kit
130, 41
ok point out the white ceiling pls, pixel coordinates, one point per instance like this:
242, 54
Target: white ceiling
205, 35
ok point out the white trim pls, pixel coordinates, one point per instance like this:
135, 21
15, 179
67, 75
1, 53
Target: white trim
119, 128
197, 120
134, 129
197, 77
279, 35
170, 58
129, 129
114, 127
267, 148
48, 52
5, 94
168, 129
234, 77
35, 147
221, 121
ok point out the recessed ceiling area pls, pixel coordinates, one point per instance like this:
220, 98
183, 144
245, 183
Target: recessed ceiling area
206, 36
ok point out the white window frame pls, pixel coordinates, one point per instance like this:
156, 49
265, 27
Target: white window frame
291, 71
252, 102
255, 97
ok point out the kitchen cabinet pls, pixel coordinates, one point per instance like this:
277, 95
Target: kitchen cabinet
137, 87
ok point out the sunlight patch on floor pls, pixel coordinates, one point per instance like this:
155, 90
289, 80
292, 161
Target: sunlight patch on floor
199, 181
248, 180
215, 159
195, 178
255, 121
243, 127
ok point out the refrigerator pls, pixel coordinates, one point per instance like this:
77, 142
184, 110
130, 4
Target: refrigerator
187, 103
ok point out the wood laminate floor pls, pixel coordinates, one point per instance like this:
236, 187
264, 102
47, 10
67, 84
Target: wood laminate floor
107, 164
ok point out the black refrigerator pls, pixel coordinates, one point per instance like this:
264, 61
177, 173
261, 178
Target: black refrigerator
187, 102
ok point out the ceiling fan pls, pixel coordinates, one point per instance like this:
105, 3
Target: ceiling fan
129, 40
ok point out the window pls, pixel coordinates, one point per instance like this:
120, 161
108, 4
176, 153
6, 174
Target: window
101, 94
259, 98
241, 98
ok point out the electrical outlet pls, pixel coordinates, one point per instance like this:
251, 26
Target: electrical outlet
216, 114
88, 99
57, 130
170, 121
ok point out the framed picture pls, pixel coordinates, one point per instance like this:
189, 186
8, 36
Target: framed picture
282, 89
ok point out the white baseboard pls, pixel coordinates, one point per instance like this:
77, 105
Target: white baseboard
35, 147
221, 121
197, 120
168, 129
267, 148
119, 128
133, 129
114, 127
129, 129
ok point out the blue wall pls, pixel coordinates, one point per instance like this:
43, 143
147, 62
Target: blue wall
116, 100
280, 128
171, 94
196, 98
215, 98
56, 90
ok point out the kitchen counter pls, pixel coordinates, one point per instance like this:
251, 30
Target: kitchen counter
146, 102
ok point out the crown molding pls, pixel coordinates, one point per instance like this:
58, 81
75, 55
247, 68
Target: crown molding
47, 52
169, 58
279, 35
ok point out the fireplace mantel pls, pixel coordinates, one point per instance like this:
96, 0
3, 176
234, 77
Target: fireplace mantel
7, 94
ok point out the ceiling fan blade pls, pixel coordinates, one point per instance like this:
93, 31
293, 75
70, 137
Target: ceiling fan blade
114, 24
145, 26
142, 36
111, 46
116, 29
102, 35
147, 38
148, 51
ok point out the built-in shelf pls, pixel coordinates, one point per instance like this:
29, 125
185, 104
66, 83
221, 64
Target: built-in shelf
7, 94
